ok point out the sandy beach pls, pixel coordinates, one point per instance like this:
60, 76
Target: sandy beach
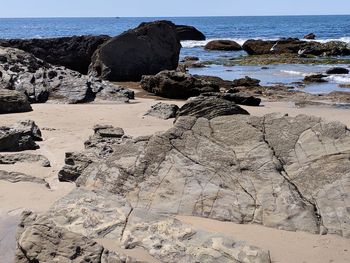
66, 127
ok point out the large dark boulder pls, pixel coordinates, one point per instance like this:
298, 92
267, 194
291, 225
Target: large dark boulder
310, 36
189, 33
72, 52
12, 101
177, 85
145, 50
238, 98
317, 78
246, 82
337, 70
223, 45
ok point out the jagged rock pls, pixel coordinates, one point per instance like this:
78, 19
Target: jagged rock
71, 52
145, 50
116, 93
108, 131
310, 36
209, 107
225, 45
246, 82
223, 84
189, 33
163, 111
337, 70
12, 101
14, 177
283, 172
41, 81
97, 214
40, 240
176, 85
238, 98
315, 78
20, 136
24, 158
190, 58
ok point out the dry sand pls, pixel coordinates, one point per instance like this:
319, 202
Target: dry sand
66, 127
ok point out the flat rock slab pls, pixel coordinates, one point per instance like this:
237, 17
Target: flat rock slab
12, 101
24, 158
14, 177
163, 111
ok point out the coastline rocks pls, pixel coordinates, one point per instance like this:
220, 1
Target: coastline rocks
189, 33
246, 82
41, 81
71, 52
24, 158
163, 111
176, 85
224, 45
310, 36
12, 101
238, 98
145, 50
318, 78
337, 70
14, 177
20, 136
209, 108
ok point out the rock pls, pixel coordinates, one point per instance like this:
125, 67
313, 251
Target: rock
337, 70
40, 240
189, 33
176, 85
163, 111
190, 58
108, 131
24, 158
310, 36
116, 93
224, 45
209, 107
145, 50
318, 78
14, 177
246, 82
71, 52
289, 173
12, 101
238, 98
41, 81
223, 84
19, 137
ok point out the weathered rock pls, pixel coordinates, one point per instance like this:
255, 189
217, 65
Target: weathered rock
116, 93
246, 82
238, 98
310, 36
190, 58
176, 85
145, 50
283, 172
71, 52
20, 136
41, 81
24, 158
315, 78
14, 177
209, 107
223, 84
337, 70
189, 33
40, 240
108, 131
224, 45
163, 111
12, 101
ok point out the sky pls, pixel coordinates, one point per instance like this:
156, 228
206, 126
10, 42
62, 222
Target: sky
165, 8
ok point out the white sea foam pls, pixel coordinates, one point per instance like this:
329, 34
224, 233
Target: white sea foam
293, 72
340, 79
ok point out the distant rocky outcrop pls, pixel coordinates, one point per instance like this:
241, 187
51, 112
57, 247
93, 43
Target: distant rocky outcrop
223, 45
12, 101
145, 50
177, 85
189, 33
310, 36
41, 81
71, 52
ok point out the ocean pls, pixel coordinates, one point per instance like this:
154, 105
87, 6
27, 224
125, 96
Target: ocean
236, 28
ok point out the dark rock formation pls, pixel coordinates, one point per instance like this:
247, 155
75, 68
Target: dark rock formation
163, 111
209, 108
176, 85
20, 136
145, 50
189, 33
246, 82
71, 52
224, 45
310, 36
41, 81
12, 101
190, 58
238, 98
318, 78
337, 70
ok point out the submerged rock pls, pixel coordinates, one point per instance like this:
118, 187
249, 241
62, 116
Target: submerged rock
145, 50
189, 33
224, 45
337, 70
12, 101
163, 111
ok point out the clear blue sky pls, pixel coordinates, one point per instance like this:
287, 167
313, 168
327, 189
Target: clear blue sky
112, 8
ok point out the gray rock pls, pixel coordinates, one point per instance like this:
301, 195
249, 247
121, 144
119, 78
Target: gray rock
20, 136
163, 111
246, 82
145, 50
24, 158
14, 177
12, 101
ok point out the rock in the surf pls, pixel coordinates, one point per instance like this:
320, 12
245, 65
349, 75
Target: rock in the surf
223, 45
337, 70
310, 36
